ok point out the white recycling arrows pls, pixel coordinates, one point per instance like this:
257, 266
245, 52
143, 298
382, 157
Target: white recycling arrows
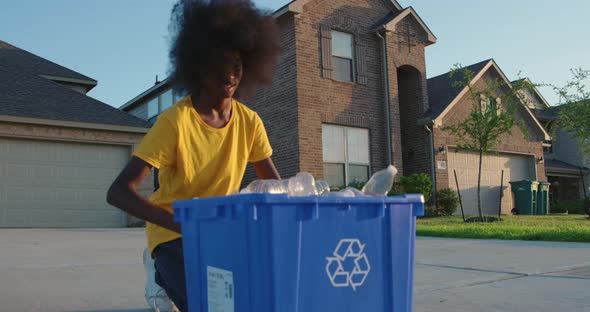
348, 249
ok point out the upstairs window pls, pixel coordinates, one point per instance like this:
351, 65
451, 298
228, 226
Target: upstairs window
153, 108
342, 56
166, 100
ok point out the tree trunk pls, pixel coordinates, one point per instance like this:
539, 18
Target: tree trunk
479, 186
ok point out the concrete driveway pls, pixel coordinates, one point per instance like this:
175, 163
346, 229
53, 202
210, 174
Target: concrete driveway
101, 271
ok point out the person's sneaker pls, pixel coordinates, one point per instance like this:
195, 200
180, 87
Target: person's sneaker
163, 304
155, 296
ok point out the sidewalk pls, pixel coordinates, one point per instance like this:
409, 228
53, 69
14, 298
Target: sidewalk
101, 271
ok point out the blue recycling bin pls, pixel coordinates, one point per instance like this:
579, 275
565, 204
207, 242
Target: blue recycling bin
272, 252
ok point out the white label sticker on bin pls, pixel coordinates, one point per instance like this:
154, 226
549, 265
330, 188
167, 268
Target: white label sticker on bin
220, 290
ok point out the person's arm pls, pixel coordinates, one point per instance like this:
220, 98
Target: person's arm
123, 195
266, 170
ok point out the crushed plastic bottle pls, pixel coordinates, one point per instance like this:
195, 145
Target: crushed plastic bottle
265, 186
356, 192
302, 184
322, 187
381, 182
347, 192
342, 193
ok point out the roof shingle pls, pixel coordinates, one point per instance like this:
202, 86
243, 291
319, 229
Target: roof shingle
442, 91
11, 56
26, 95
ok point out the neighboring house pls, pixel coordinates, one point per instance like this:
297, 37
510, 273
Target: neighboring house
59, 148
150, 104
348, 92
567, 168
519, 156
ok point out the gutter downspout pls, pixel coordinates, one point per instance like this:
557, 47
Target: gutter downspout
386, 93
432, 160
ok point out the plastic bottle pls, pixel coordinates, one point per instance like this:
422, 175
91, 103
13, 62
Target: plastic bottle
265, 186
322, 187
342, 193
356, 192
381, 182
302, 184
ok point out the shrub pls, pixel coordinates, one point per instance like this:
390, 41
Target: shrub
446, 202
569, 206
396, 190
357, 184
418, 183
430, 211
558, 207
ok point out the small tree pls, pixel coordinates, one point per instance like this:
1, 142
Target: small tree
492, 115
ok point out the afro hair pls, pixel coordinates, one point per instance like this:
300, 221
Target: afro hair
202, 31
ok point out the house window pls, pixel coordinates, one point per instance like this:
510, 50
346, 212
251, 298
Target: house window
489, 103
492, 104
179, 94
547, 148
342, 56
346, 155
166, 100
153, 108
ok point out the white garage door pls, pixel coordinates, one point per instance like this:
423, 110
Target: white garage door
57, 184
466, 163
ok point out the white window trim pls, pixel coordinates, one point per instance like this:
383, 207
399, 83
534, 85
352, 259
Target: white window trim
175, 98
346, 162
352, 57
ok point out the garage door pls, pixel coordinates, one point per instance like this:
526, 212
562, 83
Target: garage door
56, 184
516, 167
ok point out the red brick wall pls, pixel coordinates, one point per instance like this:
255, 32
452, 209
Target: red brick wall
406, 55
277, 106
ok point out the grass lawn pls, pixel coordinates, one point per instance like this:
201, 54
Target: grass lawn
562, 228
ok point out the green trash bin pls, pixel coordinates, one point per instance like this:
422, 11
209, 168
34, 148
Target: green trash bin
525, 196
543, 198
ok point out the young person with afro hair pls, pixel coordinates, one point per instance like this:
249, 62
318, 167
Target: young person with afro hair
221, 52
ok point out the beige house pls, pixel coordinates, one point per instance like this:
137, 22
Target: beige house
59, 148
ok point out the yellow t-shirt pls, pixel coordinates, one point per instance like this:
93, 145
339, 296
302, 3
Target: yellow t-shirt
197, 160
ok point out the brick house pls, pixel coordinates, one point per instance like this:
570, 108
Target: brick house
349, 89
519, 155
59, 148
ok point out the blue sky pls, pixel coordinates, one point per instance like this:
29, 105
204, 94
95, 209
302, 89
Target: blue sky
123, 43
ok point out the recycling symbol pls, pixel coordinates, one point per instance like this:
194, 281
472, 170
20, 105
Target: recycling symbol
351, 252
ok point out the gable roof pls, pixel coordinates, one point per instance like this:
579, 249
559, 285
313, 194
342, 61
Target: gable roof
29, 96
11, 56
548, 114
443, 95
562, 166
296, 6
534, 88
390, 22
156, 88
442, 92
